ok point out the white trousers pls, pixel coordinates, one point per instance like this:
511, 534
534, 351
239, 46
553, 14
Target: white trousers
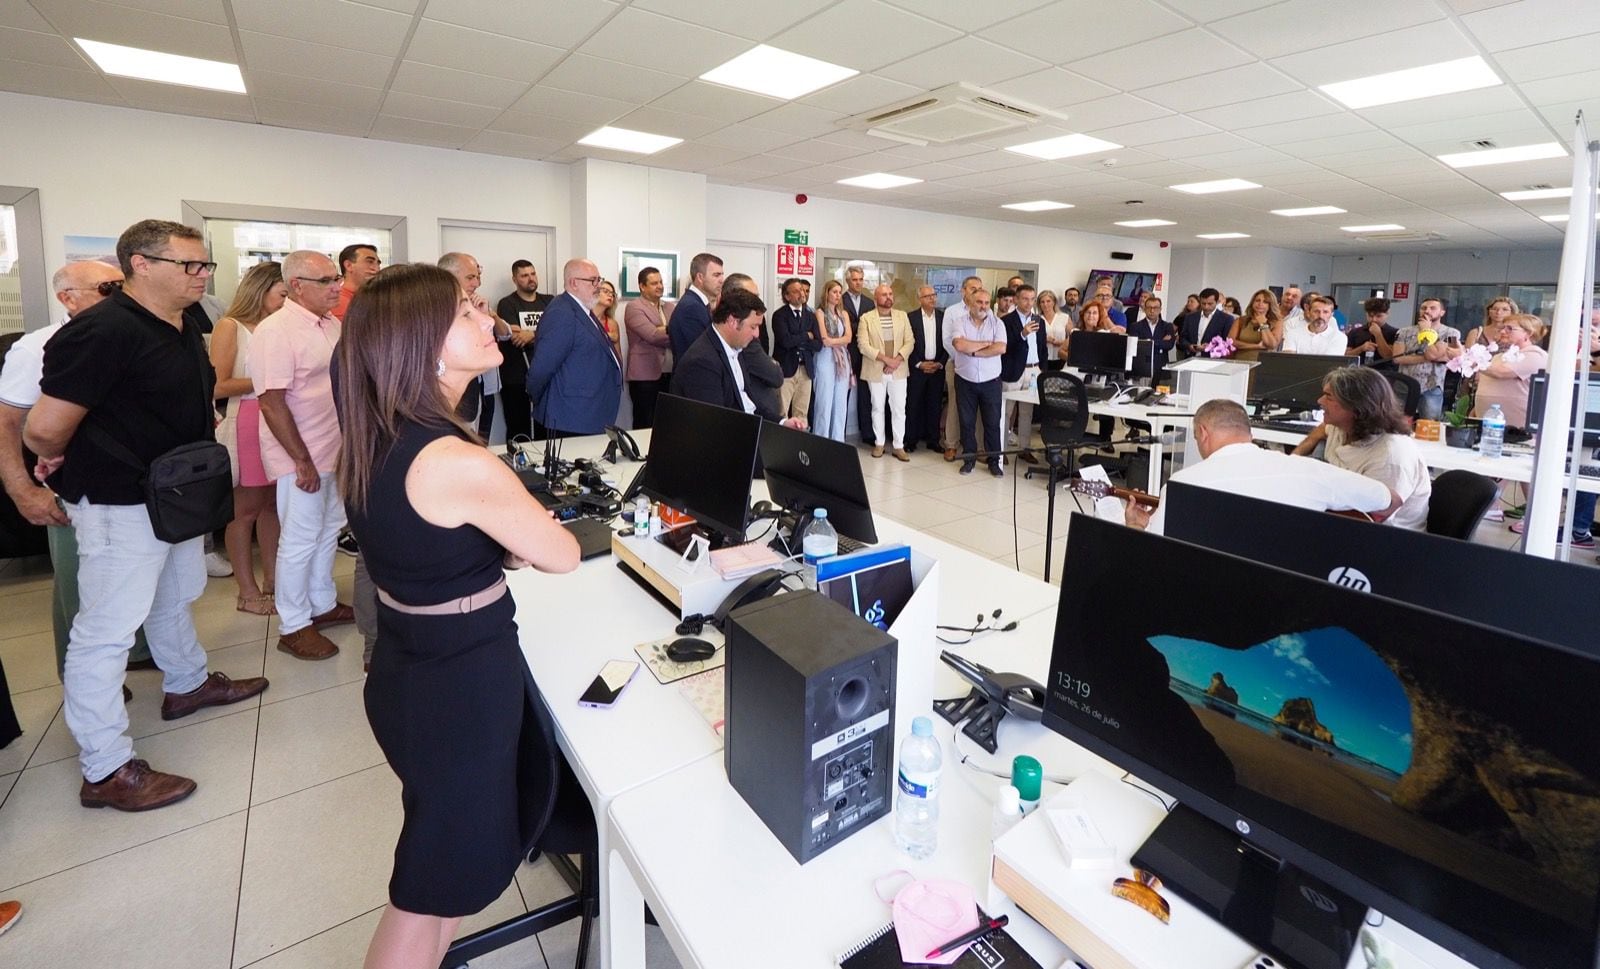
310, 525
126, 576
895, 391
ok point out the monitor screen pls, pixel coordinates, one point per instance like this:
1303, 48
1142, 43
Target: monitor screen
805, 472
1292, 380
702, 458
1125, 285
1104, 353
1443, 772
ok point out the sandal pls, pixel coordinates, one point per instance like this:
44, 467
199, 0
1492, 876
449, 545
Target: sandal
260, 605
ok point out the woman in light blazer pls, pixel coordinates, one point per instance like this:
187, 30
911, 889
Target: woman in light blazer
885, 341
648, 346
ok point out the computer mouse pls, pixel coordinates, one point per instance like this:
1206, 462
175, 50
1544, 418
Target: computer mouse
689, 650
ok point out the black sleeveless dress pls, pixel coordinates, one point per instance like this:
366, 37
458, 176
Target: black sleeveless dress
451, 702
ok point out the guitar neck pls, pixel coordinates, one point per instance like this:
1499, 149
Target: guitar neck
1136, 496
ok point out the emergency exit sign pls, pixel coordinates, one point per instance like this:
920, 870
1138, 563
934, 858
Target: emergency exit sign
796, 237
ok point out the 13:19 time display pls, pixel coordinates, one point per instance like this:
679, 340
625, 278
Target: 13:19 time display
1072, 685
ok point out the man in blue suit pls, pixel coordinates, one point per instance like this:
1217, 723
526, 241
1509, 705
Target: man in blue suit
692, 317
574, 379
1197, 329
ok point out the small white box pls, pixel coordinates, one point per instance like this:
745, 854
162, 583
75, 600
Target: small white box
1085, 847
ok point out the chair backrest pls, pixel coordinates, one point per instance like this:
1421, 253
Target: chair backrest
1408, 391
1063, 408
1460, 498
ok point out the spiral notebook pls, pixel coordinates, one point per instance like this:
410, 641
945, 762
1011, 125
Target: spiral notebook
881, 950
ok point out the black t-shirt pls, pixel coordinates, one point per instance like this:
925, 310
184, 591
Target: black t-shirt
1359, 337
145, 384
520, 313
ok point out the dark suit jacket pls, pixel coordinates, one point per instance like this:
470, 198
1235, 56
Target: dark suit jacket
854, 312
703, 374
690, 318
1015, 359
795, 335
1188, 323
919, 350
1163, 337
574, 380
763, 379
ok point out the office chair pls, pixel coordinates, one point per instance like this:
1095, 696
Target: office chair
1460, 498
1408, 391
1063, 422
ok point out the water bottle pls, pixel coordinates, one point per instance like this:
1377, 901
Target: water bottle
916, 808
819, 542
1007, 811
1493, 438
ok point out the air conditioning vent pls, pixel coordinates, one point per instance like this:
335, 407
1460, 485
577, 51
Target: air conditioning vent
1482, 144
1401, 237
953, 113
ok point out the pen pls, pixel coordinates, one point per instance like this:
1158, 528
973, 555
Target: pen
982, 930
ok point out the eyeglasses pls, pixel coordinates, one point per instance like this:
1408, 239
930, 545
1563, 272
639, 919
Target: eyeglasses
320, 280
591, 280
104, 287
193, 267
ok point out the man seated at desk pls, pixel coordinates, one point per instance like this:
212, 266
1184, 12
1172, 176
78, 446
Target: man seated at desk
1232, 462
711, 371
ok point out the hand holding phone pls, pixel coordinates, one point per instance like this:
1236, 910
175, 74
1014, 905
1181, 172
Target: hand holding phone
614, 677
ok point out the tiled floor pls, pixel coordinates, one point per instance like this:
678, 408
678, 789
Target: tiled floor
280, 859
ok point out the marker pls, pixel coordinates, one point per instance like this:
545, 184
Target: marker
973, 936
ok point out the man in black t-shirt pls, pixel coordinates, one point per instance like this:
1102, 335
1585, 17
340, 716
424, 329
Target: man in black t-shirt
130, 375
1362, 340
520, 309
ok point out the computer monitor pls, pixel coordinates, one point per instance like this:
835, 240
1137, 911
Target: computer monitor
1098, 353
806, 471
1585, 406
1292, 380
1464, 579
1440, 771
702, 458
1125, 285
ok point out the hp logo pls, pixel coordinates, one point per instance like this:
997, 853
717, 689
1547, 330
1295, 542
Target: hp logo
805, 459
1242, 826
1350, 578
1318, 899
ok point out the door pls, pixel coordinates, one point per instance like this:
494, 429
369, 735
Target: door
750, 258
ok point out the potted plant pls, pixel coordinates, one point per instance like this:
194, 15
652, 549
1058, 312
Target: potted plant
1460, 429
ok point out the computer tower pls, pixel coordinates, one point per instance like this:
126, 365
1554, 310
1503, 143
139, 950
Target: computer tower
809, 707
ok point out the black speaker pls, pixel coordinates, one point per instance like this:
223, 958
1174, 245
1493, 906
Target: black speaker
809, 702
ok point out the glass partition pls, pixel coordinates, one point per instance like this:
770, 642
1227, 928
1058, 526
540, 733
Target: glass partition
908, 274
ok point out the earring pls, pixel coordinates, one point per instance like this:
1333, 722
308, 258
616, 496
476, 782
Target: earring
439, 370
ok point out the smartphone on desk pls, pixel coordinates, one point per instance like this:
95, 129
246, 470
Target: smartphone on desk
614, 677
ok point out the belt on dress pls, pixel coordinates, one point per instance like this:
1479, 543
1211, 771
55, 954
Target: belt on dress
454, 607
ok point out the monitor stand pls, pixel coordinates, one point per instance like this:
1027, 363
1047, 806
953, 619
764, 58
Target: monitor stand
1283, 911
678, 539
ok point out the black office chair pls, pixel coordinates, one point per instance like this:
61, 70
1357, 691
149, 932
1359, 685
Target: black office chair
1460, 498
1063, 422
1408, 391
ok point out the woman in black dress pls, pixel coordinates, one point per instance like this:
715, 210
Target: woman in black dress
439, 518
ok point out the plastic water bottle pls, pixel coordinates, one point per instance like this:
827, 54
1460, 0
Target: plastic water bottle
1493, 439
1007, 811
916, 808
820, 541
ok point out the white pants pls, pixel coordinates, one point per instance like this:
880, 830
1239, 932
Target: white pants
310, 525
895, 391
126, 576
1023, 412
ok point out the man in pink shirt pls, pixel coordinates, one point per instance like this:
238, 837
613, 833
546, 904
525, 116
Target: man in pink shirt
289, 357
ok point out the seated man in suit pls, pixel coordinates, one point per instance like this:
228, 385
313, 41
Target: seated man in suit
925, 380
710, 370
1199, 328
574, 380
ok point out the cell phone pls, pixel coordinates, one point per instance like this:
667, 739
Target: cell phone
614, 677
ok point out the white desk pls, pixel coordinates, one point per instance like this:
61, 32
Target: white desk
1160, 417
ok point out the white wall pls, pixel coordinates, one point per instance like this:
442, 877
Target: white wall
1239, 271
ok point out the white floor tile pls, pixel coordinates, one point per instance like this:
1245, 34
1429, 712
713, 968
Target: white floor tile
7, 782
986, 536
342, 945
979, 493
919, 511
44, 830
219, 624
292, 676
166, 904
30, 661
36, 710
28, 612
541, 884
311, 739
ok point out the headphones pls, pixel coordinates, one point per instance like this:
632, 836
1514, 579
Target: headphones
984, 624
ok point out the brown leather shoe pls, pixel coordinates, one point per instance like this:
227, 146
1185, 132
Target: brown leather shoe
877, 450
900, 454
216, 691
307, 643
136, 787
950, 454
338, 615
1029, 457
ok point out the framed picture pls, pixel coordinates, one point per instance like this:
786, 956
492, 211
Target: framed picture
633, 260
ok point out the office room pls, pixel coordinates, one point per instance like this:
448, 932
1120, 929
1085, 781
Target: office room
921, 156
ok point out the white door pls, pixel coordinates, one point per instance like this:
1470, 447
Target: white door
752, 259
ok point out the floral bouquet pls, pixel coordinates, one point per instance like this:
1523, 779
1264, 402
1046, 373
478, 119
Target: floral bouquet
1220, 346
1468, 364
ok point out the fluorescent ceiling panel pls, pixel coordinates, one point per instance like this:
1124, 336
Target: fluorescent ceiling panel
1145, 223
1210, 188
1382, 227
1311, 210
1503, 156
153, 65
1427, 81
1065, 146
1043, 205
1222, 235
777, 73
879, 180
624, 139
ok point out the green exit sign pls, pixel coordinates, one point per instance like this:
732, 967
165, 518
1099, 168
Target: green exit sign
796, 237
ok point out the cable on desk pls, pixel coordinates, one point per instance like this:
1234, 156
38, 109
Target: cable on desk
983, 625
1140, 787
967, 761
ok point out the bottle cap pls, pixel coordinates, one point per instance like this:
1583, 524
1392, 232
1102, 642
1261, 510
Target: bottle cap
1026, 777
1010, 801
922, 727
820, 513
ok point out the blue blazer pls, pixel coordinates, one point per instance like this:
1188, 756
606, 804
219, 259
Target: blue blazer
690, 318
795, 334
1188, 323
1015, 360
574, 381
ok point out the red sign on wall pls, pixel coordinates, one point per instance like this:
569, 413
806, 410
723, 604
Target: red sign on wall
786, 260
1402, 290
807, 265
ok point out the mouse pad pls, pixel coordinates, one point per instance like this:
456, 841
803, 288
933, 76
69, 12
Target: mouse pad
654, 655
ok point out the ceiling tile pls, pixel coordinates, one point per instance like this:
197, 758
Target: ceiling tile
1247, 82
641, 37
1205, 11
1376, 54
1291, 27
480, 52
516, 146
56, 82
802, 120
22, 16
1052, 88
1055, 33
580, 108
108, 22
741, 139
1568, 56
610, 79
865, 35
402, 105
864, 92
1295, 106
1570, 87
1288, 130
541, 126
1533, 22
284, 55
714, 100
183, 100
821, 151
1467, 104
659, 121
1093, 117
37, 48
1184, 54
293, 87
965, 15
696, 157
1169, 128
968, 59
338, 118
553, 24
1183, 148
751, 19
354, 25
210, 11
421, 132
442, 82
860, 141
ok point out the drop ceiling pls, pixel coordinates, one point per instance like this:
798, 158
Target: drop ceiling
1196, 89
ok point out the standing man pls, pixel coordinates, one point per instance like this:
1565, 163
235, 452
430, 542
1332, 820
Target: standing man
1070, 304
1019, 366
885, 340
358, 262
1362, 341
520, 309
130, 373
1161, 334
925, 381
1424, 357
797, 341
692, 316
648, 345
574, 380
1108, 302
470, 275
1204, 325
976, 339
1320, 336
289, 358
1289, 308
954, 315
857, 302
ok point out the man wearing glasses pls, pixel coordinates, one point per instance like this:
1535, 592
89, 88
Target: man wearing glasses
289, 358
132, 372
574, 380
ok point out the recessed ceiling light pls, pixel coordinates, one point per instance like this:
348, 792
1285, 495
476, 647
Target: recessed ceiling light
1564, 217
1222, 235
1429, 80
777, 73
879, 180
1065, 146
1381, 227
623, 139
1501, 156
1530, 194
153, 65
1043, 205
1310, 210
1220, 185
1145, 223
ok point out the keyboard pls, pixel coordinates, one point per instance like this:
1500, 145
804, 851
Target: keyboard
1099, 392
1292, 427
848, 544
